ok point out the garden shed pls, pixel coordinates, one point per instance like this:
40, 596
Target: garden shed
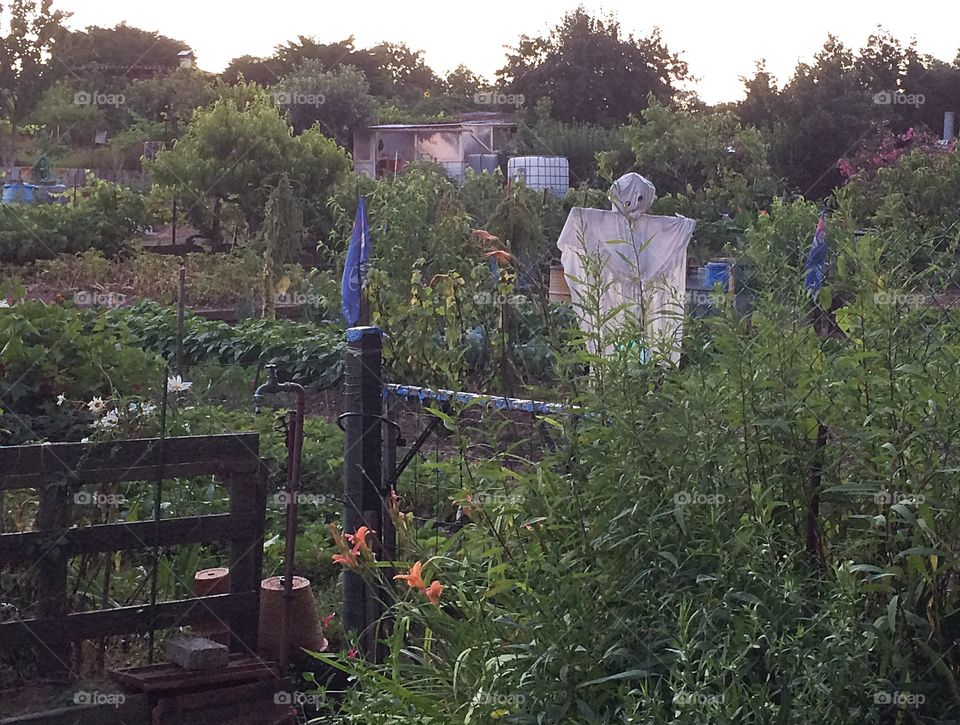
473, 141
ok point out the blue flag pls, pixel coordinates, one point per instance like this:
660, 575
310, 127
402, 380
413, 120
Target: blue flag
355, 270
817, 257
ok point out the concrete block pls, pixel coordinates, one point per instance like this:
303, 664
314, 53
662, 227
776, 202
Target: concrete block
197, 653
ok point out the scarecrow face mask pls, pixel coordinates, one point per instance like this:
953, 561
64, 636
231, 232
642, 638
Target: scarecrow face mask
632, 195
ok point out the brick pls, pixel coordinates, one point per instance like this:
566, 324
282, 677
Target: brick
197, 653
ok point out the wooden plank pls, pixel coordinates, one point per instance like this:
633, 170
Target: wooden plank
248, 502
167, 677
126, 620
35, 545
129, 460
133, 709
243, 704
52, 513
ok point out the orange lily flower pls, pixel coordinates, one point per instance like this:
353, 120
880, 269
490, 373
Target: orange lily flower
484, 236
500, 255
359, 539
413, 578
433, 592
347, 559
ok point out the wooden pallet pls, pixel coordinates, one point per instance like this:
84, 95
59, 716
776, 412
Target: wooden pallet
165, 679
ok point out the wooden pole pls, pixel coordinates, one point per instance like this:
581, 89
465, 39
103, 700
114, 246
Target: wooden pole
181, 303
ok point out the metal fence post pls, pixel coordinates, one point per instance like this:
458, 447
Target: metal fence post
363, 391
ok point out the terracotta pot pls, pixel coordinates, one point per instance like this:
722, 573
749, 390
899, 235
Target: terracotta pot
559, 289
305, 629
208, 582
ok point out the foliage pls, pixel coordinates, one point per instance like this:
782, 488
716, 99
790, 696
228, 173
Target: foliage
170, 99
235, 152
917, 194
106, 218
281, 238
591, 71
885, 148
705, 166
393, 70
338, 100
301, 351
48, 350
828, 107
117, 53
540, 135
31, 29
212, 279
660, 566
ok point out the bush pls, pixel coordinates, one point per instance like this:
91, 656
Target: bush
48, 350
107, 218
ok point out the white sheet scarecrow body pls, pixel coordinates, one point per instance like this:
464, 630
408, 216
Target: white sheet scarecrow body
643, 259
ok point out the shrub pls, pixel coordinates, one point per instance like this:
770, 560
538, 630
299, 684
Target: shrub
107, 217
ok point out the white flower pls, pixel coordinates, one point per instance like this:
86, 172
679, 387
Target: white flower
97, 405
110, 420
4, 303
132, 407
148, 408
84, 440
61, 399
177, 384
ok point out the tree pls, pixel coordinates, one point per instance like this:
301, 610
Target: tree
293, 54
117, 54
172, 98
591, 71
540, 135
252, 69
828, 107
281, 237
338, 100
25, 67
394, 70
63, 120
705, 165
463, 82
235, 152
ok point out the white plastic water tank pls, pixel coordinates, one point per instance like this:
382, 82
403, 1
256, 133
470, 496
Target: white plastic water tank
541, 172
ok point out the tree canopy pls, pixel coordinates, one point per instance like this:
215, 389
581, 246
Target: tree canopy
592, 71
236, 152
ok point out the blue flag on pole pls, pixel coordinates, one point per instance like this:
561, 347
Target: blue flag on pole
817, 257
355, 269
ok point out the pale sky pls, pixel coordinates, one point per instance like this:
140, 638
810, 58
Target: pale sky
720, 41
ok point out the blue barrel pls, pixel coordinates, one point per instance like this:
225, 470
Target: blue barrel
717, 273
18, 193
